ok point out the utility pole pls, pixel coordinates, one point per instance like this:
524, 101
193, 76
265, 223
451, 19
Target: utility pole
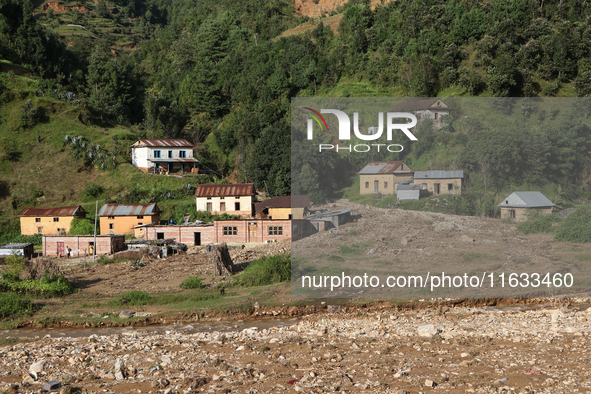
94, 244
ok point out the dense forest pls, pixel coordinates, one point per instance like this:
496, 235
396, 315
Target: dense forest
220, 74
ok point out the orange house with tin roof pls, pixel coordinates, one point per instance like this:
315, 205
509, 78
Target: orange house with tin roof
49, 221
382, 176
122, 218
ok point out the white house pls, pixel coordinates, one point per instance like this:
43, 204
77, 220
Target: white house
174, 155
234, 199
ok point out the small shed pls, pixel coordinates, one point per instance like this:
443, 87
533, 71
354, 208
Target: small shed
517, 205
324, 221
408, 191
25, 250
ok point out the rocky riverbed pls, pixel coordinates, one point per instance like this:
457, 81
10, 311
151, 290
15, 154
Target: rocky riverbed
437, 348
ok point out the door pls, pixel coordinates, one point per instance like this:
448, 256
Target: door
197, 239
436, 188
376, 186
209, 207
60, 249
252, 232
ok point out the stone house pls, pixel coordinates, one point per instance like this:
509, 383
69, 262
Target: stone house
122, 218
432, 109
168, 155
49, 221
382, 176
440, 182
284, 207
235, 199
518, 205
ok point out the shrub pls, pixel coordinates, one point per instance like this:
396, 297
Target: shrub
266, 271
537, 223
82, 226
11, 305
135, 297
192, 282
29, 114
576, 228
93, 190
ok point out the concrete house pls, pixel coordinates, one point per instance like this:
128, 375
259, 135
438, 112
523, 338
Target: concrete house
234, 199
440, 182
122, 218
432, 109
49, 221
382, 176
171, 155
518, 204
285, 207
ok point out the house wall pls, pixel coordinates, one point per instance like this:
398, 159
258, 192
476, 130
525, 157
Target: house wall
30, 227
521, 214
80, 244
125, 224
245, 205
392, 179
141, 157
409, 194
247, 231
283, 213
443, 189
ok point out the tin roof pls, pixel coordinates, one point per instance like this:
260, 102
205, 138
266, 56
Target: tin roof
214, 190
15, 246
129, 209
283, 202
329, 214
172, 143
73, 210
418, 105
439, 174
526, 200
384, 167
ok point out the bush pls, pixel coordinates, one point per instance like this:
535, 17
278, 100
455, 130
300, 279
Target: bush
29, 114
576, 228
192, 282
82, 226
135, 297
266, 271
93, 190
537, 223
11, 305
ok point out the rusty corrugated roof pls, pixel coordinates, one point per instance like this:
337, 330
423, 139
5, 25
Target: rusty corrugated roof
384, 167
418, 105
173, 143
236, 189
129, 209
74, 210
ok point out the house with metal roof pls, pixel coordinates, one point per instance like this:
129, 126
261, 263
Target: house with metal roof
440, 182
122, 218
283, 207
426, 109
49, 221
163, 155
518, 205
233, 199
382, 176
26, 250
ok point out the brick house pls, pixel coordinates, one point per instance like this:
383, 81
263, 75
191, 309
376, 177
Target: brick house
235, 199
122, 218
49, 221
427, 109
382, 176
82, 245
284, 207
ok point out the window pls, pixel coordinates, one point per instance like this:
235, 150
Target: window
237, 198
275, 230
37, 220
209, 207
230, 230
209, 198
182, 154
170, 154
402, 166
436, 116
159, 235
222, 206
367, 185
290, 216
450, 187
110, 226
39, 230
436, 188
156, 153
512, 213
140, 223
56, 219
140, 216
111, 217
385, 185
222, 198
236, 206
